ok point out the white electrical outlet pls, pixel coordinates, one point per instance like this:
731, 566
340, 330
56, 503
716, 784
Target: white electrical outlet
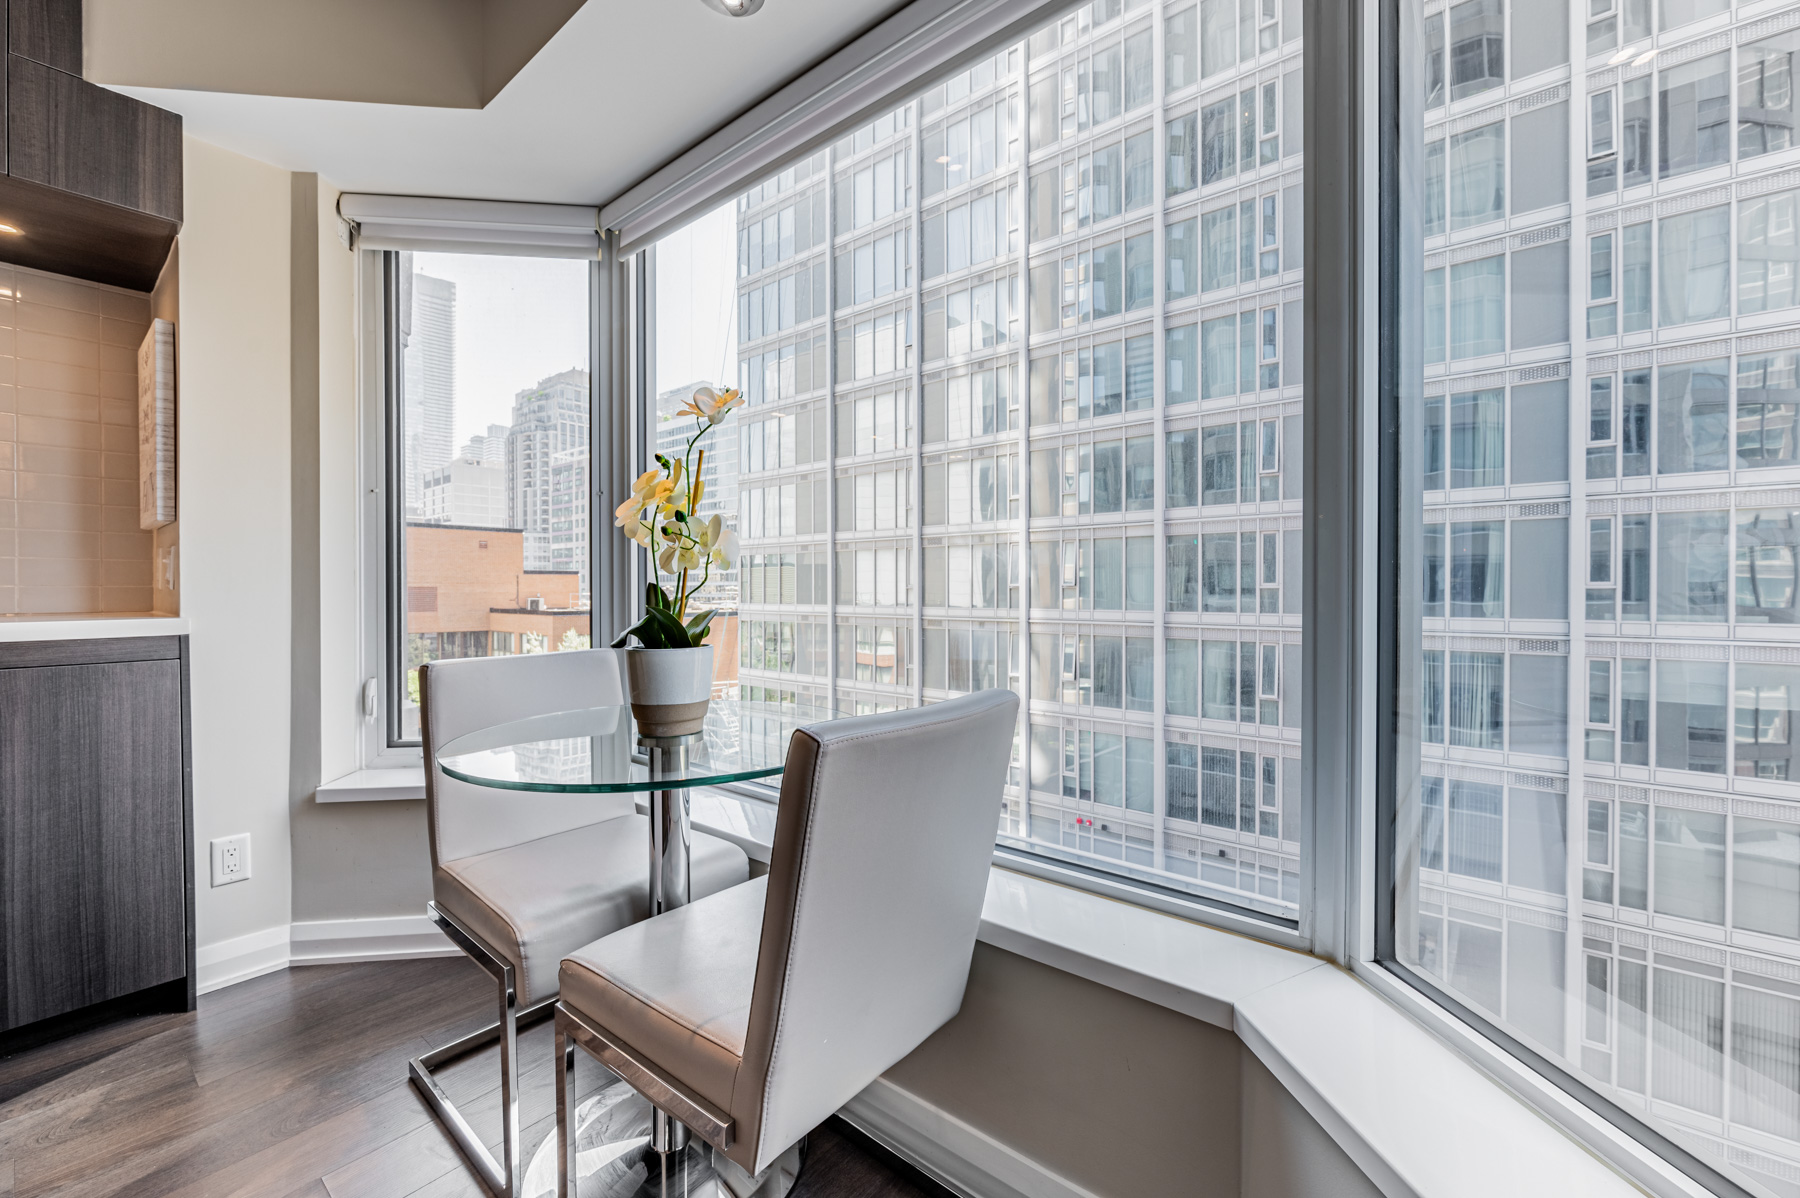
230, 859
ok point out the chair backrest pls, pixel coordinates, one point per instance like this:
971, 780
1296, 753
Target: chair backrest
469, 694
876, 880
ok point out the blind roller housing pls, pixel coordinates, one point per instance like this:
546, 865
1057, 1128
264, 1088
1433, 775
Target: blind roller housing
877, 71
473, 226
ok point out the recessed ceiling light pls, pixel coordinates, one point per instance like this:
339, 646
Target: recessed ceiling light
6, 228
1645, 57
943, 158
735, 8
956, 166
1621, 56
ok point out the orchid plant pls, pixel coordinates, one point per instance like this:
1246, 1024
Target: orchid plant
660, 516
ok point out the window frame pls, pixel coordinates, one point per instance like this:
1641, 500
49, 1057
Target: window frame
381, 582
377, 394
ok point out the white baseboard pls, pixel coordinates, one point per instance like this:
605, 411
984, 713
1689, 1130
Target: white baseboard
387, 938
319, 942
226, 962
957, 1154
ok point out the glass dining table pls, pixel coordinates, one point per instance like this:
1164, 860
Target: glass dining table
597, 750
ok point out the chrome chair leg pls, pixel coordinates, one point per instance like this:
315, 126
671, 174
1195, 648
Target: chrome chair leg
677, 1157
502, 1178
565, 1112
667, 1133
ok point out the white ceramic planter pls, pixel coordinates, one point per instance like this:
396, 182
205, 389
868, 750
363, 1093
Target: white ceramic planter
670, 689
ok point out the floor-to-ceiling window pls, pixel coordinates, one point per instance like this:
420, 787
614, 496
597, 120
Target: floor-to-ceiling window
1022, 368
1602, 854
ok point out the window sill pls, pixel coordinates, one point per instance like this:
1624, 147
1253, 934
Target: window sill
375, 786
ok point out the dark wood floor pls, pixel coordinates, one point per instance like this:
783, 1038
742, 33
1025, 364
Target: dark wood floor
294, 1086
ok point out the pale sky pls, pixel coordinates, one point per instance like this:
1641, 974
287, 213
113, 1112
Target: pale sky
521, 319
696, 302
517, 321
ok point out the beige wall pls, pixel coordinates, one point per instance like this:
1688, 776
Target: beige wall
1123, 1098
1118, 1095
351, 860
232, 340
1285, 1153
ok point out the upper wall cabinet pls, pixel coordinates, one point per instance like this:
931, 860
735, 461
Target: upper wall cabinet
93, 178
46, 31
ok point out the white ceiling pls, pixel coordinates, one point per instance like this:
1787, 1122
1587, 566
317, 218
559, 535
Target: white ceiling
622, 88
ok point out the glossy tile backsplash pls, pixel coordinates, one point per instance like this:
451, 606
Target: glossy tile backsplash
69, 536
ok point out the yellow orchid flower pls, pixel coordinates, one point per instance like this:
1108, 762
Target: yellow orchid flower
646, 483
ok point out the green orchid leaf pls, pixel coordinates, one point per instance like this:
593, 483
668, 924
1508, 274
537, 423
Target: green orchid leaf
641, 630
659, 629
670, 632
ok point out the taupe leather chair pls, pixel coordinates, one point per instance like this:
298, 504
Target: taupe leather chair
752, 1015
519, 880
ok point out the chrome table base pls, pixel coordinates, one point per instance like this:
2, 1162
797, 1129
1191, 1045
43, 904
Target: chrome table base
671, 832
614, 1159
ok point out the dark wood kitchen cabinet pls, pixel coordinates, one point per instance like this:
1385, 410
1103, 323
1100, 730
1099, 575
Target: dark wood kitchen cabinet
46, 31
92, 178
96, 897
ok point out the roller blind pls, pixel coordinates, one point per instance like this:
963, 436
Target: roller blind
898, 57
472, 226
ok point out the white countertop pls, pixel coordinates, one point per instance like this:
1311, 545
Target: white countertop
89, 627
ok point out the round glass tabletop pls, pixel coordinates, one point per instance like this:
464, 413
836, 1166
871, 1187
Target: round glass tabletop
597, 749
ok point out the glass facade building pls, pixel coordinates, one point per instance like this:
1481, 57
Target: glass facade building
1022, 369
1603, 855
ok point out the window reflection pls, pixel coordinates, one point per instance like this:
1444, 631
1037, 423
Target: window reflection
1605, 445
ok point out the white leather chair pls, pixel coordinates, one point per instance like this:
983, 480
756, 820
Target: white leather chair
521, 879
752, 1015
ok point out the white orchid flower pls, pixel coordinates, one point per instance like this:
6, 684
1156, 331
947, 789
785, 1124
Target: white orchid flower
712, 406
725, 548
